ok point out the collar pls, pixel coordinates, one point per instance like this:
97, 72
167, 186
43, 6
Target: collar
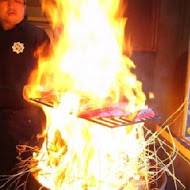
22, 23
19, 25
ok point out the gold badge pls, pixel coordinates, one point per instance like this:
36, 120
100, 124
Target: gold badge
18, 47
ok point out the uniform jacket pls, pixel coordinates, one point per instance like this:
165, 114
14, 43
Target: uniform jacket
17, 60
20, 121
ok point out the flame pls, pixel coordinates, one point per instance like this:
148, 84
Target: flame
151, 95
87, 68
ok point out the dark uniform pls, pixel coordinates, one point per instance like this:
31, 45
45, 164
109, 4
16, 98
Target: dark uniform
20, 121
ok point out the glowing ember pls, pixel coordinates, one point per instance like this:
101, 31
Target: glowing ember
151, 95
87, 70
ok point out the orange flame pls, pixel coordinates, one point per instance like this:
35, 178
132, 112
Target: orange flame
151, 95
87, 68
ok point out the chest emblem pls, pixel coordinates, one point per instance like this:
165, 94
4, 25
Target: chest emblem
18, 47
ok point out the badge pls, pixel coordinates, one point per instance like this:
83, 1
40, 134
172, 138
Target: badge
18, 47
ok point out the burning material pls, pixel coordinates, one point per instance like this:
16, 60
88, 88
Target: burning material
87, 70
151, 95
79, 154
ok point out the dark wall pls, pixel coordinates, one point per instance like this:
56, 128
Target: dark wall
169, 67
163, 70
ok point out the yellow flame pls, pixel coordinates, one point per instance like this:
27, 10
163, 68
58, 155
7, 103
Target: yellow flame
88, 56
151, 95
87, 68
79, 154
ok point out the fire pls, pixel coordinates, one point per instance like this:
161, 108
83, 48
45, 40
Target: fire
87, 69
151, 95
